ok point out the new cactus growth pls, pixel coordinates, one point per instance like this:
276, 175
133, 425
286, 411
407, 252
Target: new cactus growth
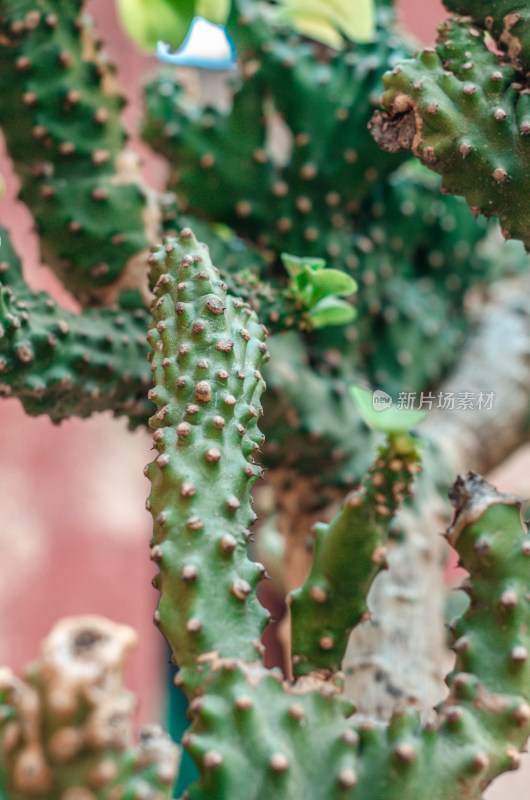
254, 733
66, 728
462, 108
345, 561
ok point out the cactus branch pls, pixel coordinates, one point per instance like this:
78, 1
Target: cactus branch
463, 110
348, 555
64, 364
207, 350
60, 117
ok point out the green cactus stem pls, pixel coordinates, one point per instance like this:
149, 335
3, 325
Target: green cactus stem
300, 201
348, 555
255, 734
207, 350
508, 21
66, 728
471, 121
59, 111
64, 364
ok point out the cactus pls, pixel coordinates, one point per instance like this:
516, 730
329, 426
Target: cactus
418, 261
417, 278
60, 116
66, 728
414, 257
333, 599
211, 348
465, 110
63, 364
254, 733
304, 205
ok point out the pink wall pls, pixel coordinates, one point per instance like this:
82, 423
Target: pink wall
74, 532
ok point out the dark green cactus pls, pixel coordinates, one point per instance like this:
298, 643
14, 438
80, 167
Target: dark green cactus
64, 364
60, 117
66, 728
416, 256
300, 202
467, 111
254, 733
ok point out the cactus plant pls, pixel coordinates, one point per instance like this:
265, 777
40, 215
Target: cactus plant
415, 258
410, 265
253, 732
472, 83
60, 118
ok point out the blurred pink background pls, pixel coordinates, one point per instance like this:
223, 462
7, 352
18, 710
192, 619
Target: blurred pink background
74, 531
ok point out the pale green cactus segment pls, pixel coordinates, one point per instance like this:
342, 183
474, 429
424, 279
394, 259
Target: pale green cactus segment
60, 114
463, 86
208, 349
66, 728
508, 21
255, 735
64, 364
253, 738
349, 552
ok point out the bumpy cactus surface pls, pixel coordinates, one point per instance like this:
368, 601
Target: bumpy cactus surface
65, 364
254, 733
299, 200
414, 255
209, 348
463, 109
60, 116
328, 194
66, 728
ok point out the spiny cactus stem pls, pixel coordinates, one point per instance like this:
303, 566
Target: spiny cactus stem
207, 350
